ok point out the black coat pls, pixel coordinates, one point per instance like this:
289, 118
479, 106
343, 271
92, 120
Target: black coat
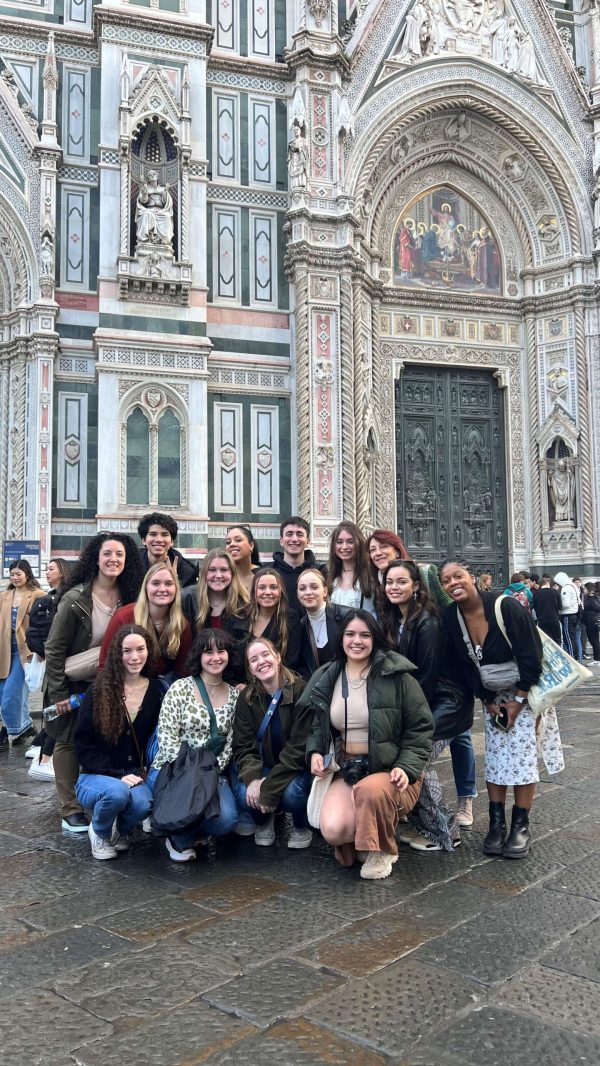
40, 621
97, 756
307, 663
290, 574
591, 610
442, 678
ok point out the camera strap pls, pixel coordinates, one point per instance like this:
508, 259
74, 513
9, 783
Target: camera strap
345, 693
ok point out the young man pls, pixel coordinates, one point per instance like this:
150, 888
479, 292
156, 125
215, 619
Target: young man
294, 533
569, 615
547, 604
158, 533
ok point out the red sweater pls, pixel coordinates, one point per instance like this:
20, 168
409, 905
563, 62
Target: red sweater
124, 617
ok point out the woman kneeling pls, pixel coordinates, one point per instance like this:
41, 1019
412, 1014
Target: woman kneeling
116, 719
373, 715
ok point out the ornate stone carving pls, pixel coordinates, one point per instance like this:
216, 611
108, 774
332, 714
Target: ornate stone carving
561, 489
319, 10
298, 160
154, 214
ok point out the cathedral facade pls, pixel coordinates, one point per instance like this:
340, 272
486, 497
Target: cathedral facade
270, 256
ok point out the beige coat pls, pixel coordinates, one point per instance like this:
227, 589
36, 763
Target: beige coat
6, 600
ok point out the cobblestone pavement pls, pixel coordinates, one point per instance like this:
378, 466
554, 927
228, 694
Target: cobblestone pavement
266, 955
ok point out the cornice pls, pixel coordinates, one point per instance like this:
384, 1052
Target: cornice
28, 28
153, 21
307, 54
254, 68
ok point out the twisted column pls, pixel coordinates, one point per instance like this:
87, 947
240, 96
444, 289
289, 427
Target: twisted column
534, 421
583, 404
361, 384
348, 427
303, 391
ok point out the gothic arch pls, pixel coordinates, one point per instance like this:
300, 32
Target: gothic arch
18, 261
154, 400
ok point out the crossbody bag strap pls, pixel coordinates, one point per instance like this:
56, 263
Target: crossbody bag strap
345, 699
467, 639
143, 769
214, 729
500, 621
264, 725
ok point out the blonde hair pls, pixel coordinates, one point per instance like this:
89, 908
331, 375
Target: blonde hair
255, 687
280, 612
237, 594
169, 637
317, 573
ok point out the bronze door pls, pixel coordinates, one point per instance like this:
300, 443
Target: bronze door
450, 467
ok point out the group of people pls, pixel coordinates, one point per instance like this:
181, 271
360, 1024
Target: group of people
326, 691
564, 607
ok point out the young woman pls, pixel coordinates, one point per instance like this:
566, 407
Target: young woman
219, 598
348, 568
158, 610
590, 619
40, 620
367, 709
186, 715
269, 615
412, 623
269, 739
501, 675
243, 549
383, 546
319, 623
116, 720
108, 574
15, 608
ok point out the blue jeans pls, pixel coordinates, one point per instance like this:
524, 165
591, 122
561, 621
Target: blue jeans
14, 696
218, 826
293, 799
463, 765
109, 798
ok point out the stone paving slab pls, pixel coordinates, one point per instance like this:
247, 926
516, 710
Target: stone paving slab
269, 993
32, 964
156, 919
233, 893
580, 954
299, 1043
559, 998
54, 1028
88, 906
585, 881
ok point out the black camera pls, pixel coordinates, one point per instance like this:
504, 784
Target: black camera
353, 770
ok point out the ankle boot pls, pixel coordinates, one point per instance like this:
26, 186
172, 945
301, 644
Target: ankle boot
494, 841
519, 839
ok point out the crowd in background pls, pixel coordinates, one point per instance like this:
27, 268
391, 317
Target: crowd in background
323, 690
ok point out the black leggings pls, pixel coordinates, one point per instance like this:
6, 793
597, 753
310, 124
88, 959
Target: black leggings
593, 634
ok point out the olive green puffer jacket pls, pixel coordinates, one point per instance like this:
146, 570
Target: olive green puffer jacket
400, 721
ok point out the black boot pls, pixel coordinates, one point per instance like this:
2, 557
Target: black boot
494, 841
519, 839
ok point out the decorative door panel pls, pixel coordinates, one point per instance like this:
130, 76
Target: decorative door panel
450, 480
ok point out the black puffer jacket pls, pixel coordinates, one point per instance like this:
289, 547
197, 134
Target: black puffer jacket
40, 621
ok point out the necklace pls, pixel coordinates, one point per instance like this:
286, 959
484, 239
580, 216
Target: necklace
357, 682
218, 684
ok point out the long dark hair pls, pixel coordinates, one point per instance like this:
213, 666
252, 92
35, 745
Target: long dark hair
380, 641
86, 569
22, 564
204, 640
391, 540
249, 535
422, 601
110, 716
362, 573
280, 612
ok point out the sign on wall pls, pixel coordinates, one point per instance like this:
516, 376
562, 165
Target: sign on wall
21, 549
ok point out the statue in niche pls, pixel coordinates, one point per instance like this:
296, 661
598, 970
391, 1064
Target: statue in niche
47, 256
298, 159
154, 212
561, 489
415, 33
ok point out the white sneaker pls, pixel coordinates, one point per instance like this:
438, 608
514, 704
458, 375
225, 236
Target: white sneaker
41, 771
464, 811
146, 826
185, 855
421, 843
407, 833
264, 835
377, 865
118, 842
33, 751
101, 848
300, 838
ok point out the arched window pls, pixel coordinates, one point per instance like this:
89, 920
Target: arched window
169, 460
138, 458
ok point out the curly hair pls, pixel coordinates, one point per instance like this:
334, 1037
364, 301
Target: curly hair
110, 716
86, 569
255, 688
362, 574
237, 594
169, 637
280, 612
391, 616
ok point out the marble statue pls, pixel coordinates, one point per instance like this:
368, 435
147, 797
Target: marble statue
561, 487
154, 212
298, 160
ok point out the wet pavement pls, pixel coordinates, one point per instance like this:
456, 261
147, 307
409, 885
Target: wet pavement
272, 956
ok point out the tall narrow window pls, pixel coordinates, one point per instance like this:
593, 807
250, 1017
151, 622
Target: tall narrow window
169, 460
138, 458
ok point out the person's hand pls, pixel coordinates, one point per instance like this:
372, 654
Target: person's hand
132, 780
514, 709
265, 810
316, 765
399, 778
63, 707
253, 792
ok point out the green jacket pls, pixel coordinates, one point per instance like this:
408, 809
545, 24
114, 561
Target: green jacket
295, 726
71, 632
400, 721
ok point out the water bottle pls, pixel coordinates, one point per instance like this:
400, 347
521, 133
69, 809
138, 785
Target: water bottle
52, 712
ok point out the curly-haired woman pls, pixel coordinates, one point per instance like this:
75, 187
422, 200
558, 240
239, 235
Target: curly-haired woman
109, 573
118, 715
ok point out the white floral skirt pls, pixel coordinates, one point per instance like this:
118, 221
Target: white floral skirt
512, 758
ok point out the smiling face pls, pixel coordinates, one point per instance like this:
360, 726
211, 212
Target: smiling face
458, 582
399, 586
111, 559
161, 588
312, 592
267, 591
158, 540
238, 545
135, 654
357, 642
218, 576
213, 661
18, 578
294, 541
345, 547
53, 574
381, 555
264, 664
